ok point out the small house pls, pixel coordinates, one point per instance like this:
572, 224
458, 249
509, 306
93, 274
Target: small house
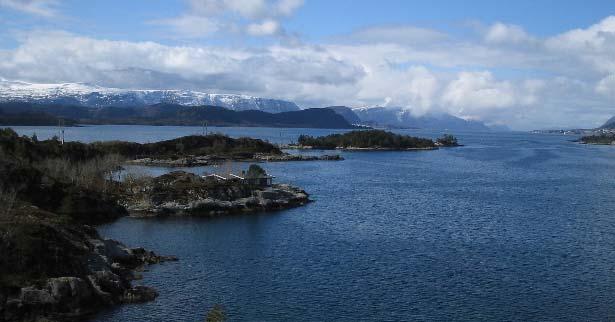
262, 180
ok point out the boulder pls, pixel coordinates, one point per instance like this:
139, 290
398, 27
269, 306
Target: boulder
32, 296
139, 294
64, 289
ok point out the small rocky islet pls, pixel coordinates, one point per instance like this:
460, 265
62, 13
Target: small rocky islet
55, 265
598, 139
181, 193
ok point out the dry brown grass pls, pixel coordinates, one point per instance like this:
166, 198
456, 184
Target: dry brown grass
134, 180
95, 174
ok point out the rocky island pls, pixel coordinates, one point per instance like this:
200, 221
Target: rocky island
55, 266
181, 193
373, 140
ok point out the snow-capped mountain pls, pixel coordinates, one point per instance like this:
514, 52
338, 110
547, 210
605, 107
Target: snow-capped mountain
96, 96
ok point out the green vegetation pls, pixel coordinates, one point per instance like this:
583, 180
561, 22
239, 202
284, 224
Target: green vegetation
216, 314
373, 139
447, 140
33, 118
606, 139
47, 191
69, 180
255, 171
194, 145
74, 179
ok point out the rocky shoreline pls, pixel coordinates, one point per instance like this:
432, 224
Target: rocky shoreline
181, 193
88, 274
351, 148
200, 161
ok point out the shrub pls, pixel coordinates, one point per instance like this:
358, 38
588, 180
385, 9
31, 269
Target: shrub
216, 314
366, 139
448, 140
255, 171
93, 174
7, 200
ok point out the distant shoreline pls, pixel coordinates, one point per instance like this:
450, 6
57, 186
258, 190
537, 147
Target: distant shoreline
357, 149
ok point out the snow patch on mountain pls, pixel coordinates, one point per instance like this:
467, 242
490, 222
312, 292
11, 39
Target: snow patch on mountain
97, 96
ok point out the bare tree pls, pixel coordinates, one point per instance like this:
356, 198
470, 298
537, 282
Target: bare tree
7, 200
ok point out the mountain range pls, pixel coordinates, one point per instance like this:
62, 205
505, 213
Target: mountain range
168, 114
79, 94
95, 104
398, 117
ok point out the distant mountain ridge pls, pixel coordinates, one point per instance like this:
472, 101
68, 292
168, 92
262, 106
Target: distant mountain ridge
174, 114
347, 113
96, 96
609, 124
397, 117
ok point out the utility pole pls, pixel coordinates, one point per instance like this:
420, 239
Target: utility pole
61, 129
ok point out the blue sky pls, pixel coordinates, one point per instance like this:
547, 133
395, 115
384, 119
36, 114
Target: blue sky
319, 19
525, 64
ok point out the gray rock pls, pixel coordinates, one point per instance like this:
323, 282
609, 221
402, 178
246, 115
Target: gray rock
69, 288
117, 252
181, 193
139, 294
33, 296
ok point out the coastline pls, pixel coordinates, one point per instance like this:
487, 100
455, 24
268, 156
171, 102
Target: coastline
199, 161
55, 265
350, 148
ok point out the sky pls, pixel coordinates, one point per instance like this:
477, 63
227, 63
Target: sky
524, 64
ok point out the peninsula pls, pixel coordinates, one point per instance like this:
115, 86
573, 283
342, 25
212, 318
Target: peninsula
599, 139
54, 264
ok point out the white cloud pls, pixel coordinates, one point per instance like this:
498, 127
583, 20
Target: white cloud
266, 28
62, 57
193, 26
500, 33
288, 7
44, 8
472, 91
606, 86
253, 17
597, 37
409, 35
591, 47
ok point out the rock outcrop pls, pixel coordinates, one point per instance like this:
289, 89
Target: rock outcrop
63, 272
186, 194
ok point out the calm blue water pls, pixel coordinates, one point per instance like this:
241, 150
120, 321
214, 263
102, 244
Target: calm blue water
512, 226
